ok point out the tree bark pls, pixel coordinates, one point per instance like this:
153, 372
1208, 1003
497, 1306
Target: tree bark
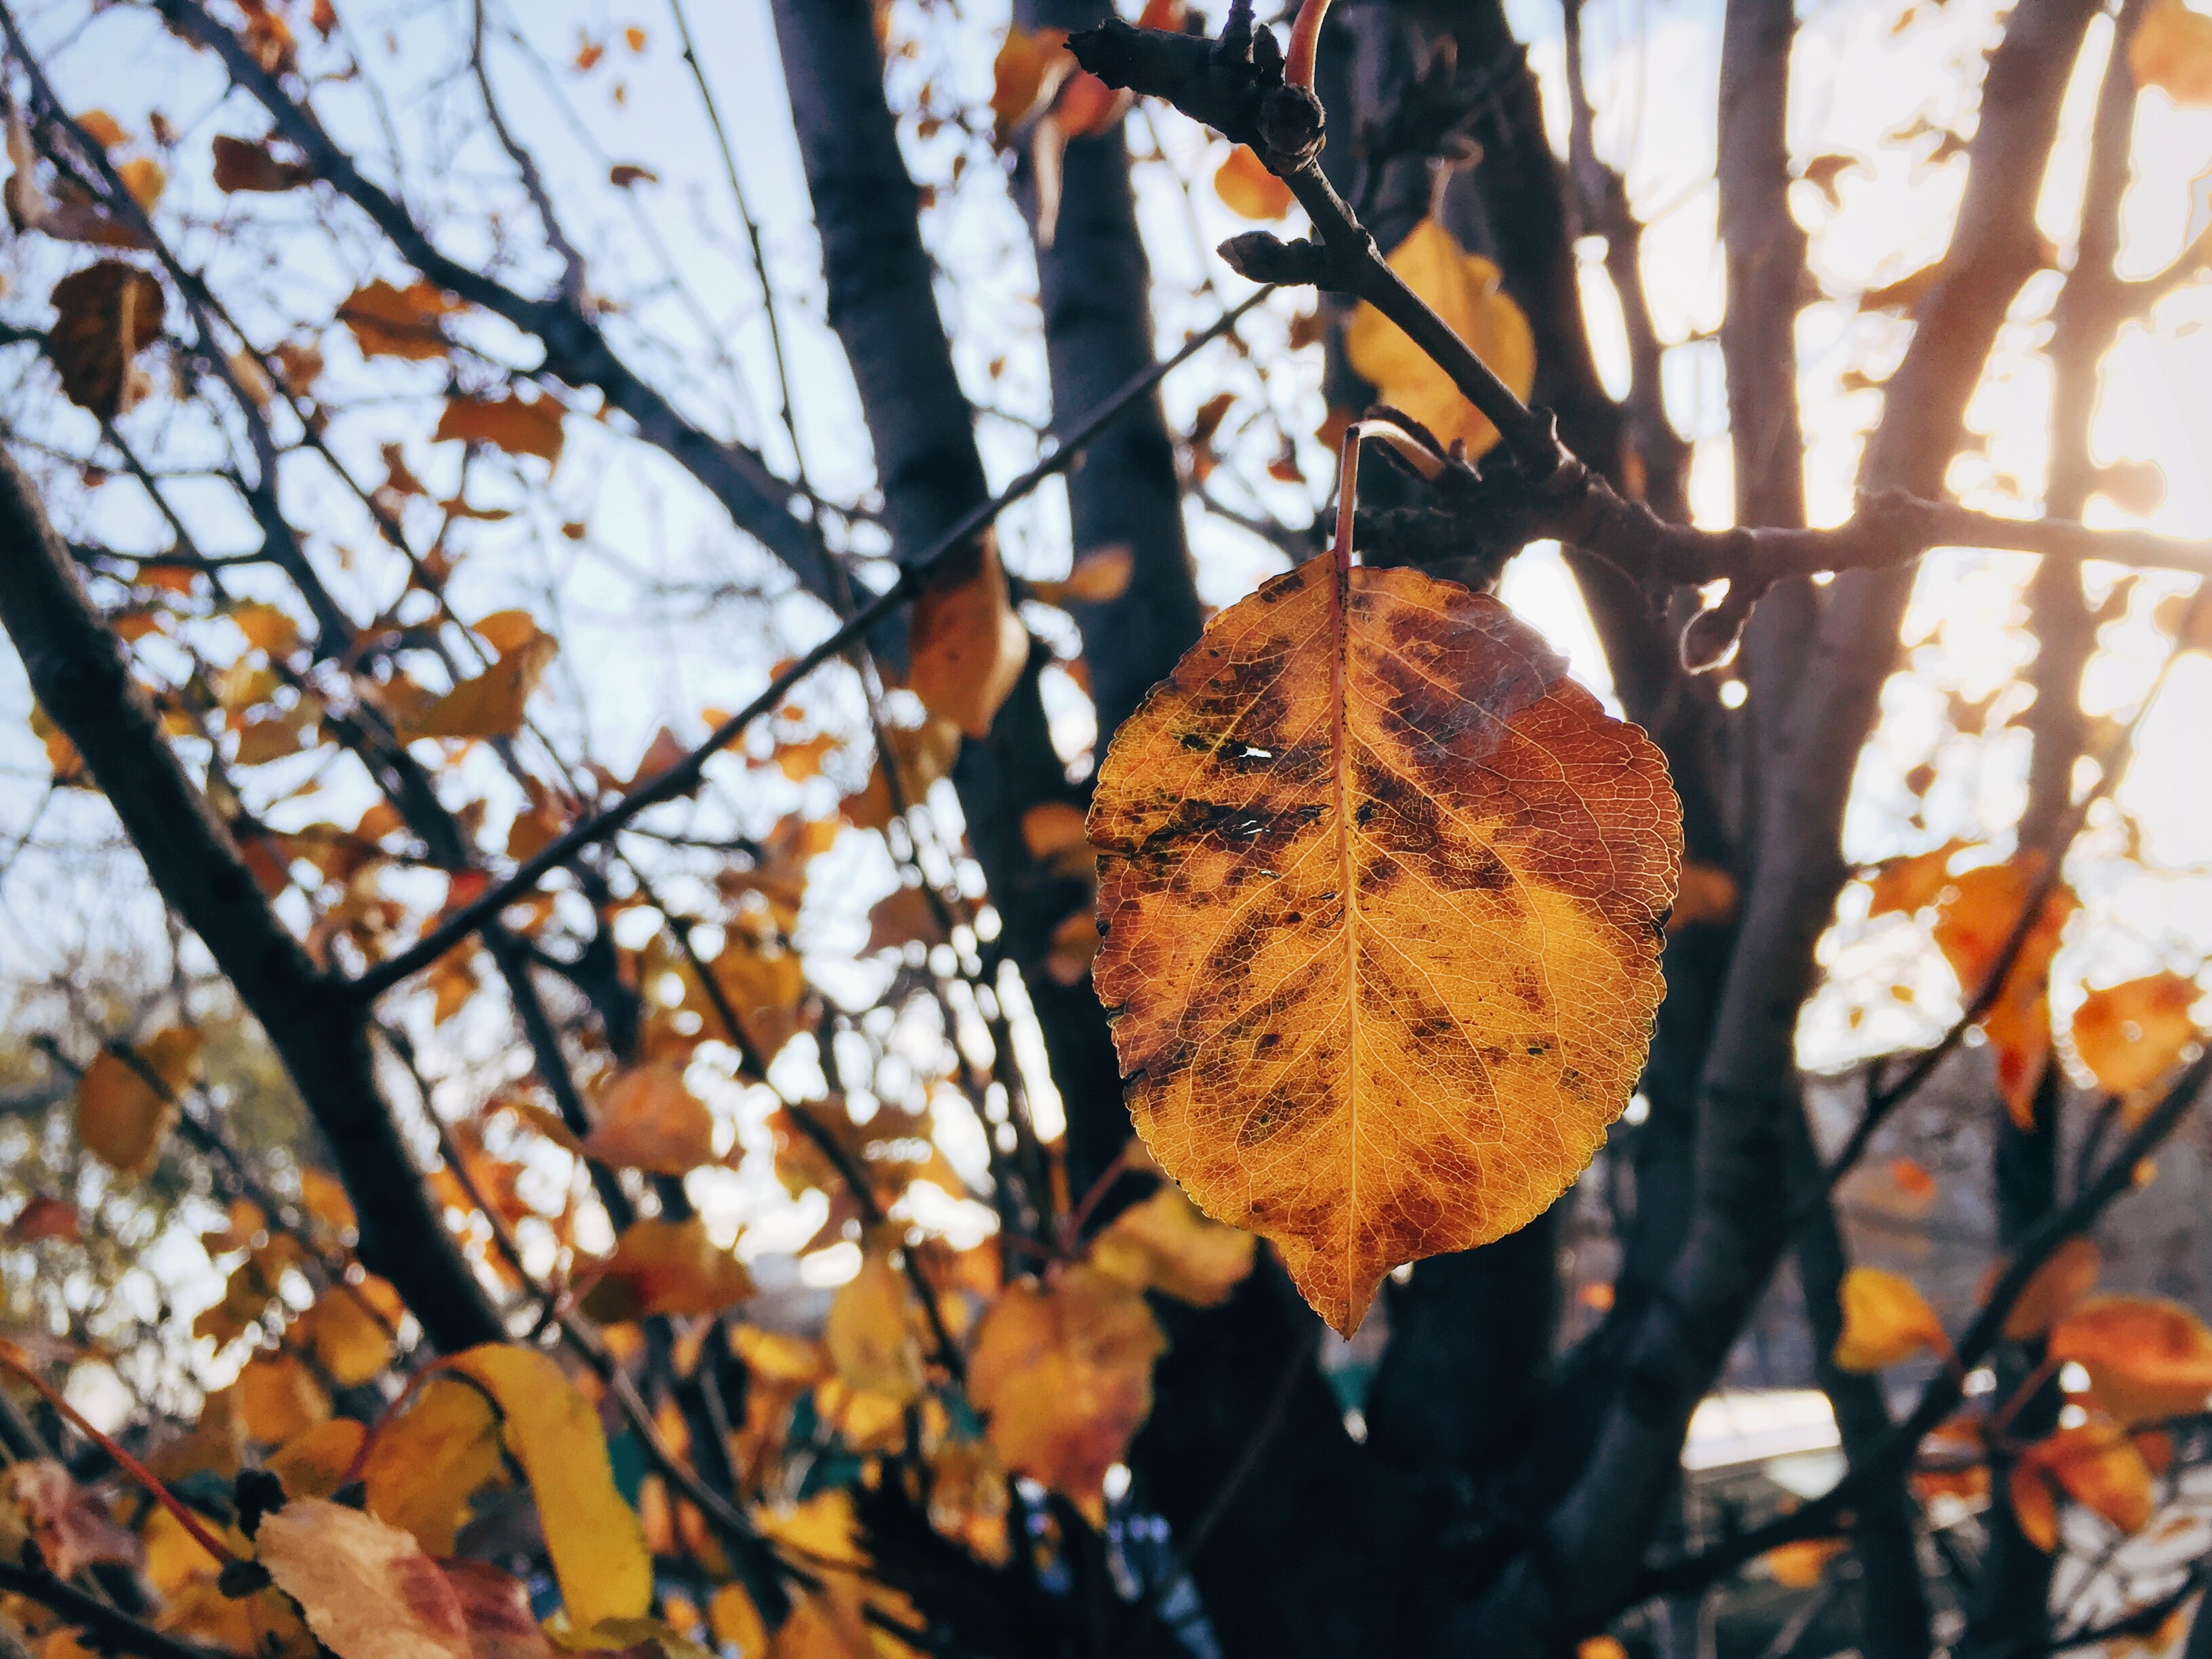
78, 673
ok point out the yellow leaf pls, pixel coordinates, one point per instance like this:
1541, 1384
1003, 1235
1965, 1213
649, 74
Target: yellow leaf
120, 1115
1381, 889
765, 991
1462, 289
367, 1589
2171, 50
1248, 190
145, 179
314, 1462
649, 1120
429, 1462
2093, 1463
661, 1266
348, 1341
278, 1398
1064, 1377
1800, 1563
2131, 1035
1886, 1320
921, 755
509, 422
593, 1538
736, 1622
871, 1339
1027, 71
491, 704
392, 322
968, 646
2147, 1359
2055, 1290
325, 1196
1164, 1244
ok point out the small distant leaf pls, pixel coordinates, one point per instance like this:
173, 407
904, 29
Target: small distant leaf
1706, 895
2147, 1359
968, 646
517, 425
1886, 1320
663, 1267
393, 322
348, 1339
624, 174
2131, 1035
1912, 1180
650, 1120
1463, 288
242, 164
1164, 1244
121, 1116
1825, 170
593, 1537
1380, 887
143, 179
1064, 1377
870, 1335
905, 915
2171, 50
266, 628
1801, 1563
367, 1588
106, 314
921, 755
803, 760
107, 132
491, 705
1904, 885
1248, 190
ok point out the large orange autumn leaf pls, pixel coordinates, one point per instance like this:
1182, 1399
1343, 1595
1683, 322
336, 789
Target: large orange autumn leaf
1382, 892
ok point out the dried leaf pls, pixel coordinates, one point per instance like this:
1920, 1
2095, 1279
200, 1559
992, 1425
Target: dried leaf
1383, 950
2147, 1359
902, 916
662, 1267
1248, 190
592, 1536
491, 705
495, 1607
2131, 1035
1064, 1377
394, 322
367, 1589
121, 1116
1164, 1244
1098, 578
517, 425
2171, 50
649, 1120
871, 1339
624, 174
968, 646
70, 1526
243, 165
105, 315
1886, 1320
1462, 289
921, 755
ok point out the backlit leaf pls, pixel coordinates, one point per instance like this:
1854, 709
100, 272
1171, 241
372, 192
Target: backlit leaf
317, 1462
1248, 190
649, 1120
1462, 289
121, 1115
1098, 578
968, 646
348, 1341
105, 315
2131, 1035
592, 1536
367, 1589
663, 1267
1164, 1244
2055, 1290
2093, 1463
2147, 1359
1903, 885
1800, 1563
1973, 921
278, 1398
2171, 50
1886, 1320
1382, 950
